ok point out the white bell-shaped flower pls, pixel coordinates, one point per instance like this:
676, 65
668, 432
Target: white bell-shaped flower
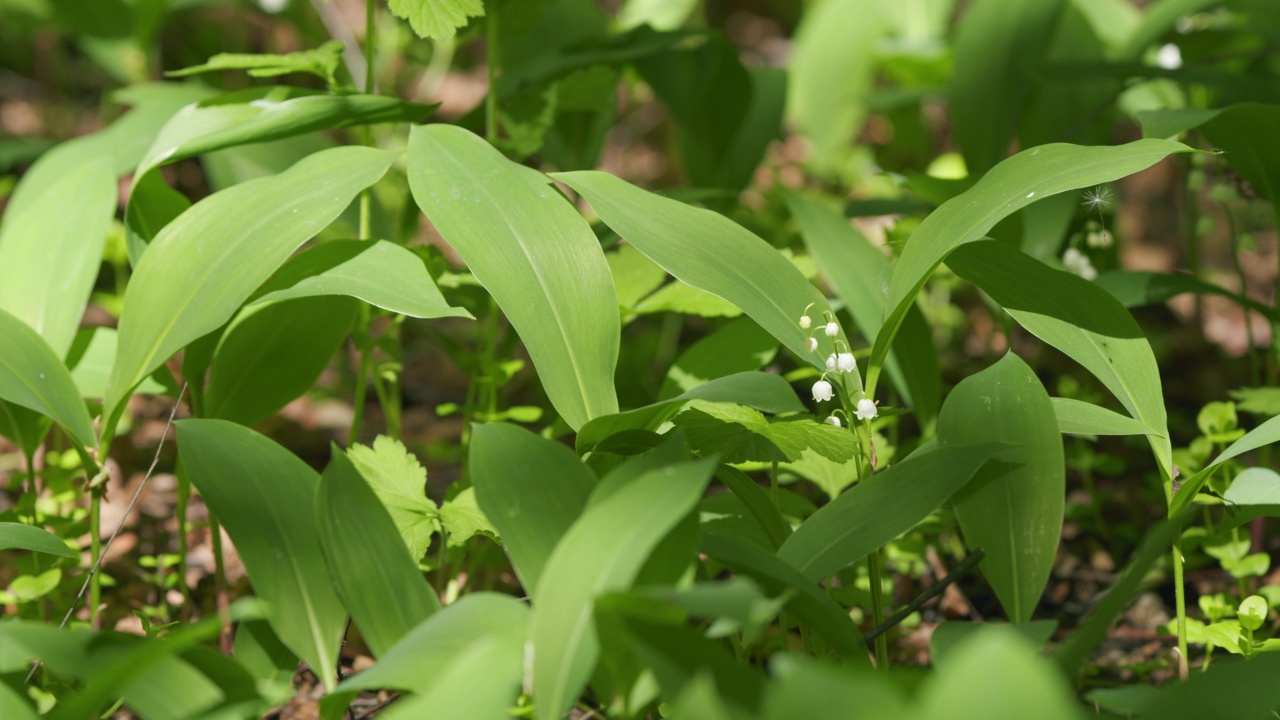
866, 409
832, 329
833, 420
822, 391
811, 344
831, 362
805, 322
846, 363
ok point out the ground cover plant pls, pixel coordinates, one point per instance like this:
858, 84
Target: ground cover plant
639, 359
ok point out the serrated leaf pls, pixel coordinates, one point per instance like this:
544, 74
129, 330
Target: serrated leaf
799, 434
400, 482
321, 62
436, 19
463, 519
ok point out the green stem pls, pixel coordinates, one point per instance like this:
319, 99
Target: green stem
362, 374
184, 497
1254, 375
875, 565
1179, 590
95, 551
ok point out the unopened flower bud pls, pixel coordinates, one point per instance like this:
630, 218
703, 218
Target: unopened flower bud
832, 329
811, 344
805, 322
833, 420
831, 362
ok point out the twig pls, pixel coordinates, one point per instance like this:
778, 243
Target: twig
119, 526
929, 593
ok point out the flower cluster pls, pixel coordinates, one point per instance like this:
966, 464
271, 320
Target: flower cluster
841, 361
1078, 263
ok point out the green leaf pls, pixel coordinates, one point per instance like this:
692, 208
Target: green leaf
535, 255
91, 356
858, 272
51, 251
676, 655
737, 346
264, 114
400, 482
322, 62
33, 376
1135, 288
677, 297
832, 70
1255, 492
1246, 133
378, 272
26, 428
947, 636
775, 527
712, 253
602, 552
806, 600
204, 264
739, 434
379, 582
1265, 434
998, 46
1017, 182
273, 353
877, 510
436, 19
462, 519
464, 662
634, 275
758, 390
265, 496
1012, 508
1226, 691
532, 489
804, 687
997, 673
1076, 417
28, 537
1082, 321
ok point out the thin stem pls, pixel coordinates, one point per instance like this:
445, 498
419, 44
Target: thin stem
184, 497
95, 553
1250, 354
1179, 590
221, 599
929, 593
875, 566
362, 374
491, 60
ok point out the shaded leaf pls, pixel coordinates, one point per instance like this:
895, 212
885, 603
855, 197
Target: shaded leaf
33, 376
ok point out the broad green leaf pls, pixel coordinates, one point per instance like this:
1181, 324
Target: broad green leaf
480, 682
1012, 508
1255, 492
51, 251
379, 583
949, 635
260, 652
997, 673
1246, 133
739, 434
1079, 109
25, 427
1136, 288
535, 255
762, 391
1158, 19
400, 482
122, 144
998, 46
152, 205
859, 273
1265, 434
832, 69
268, 114
322, 62
657, 14
737, 346
380, 273
462, 519
265, 497
736, 604
700, 698
1226, 691
28, 537
678, 297
757, 502
531, 489
33, 376
634, 275
712, 253
91, 356
436, 19
804, 687
1017, 182
14, 706
1081, 320
1076, 417
601, 552
678, 654
806, 600
273, 353
877, 510
428, 649
204, 264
